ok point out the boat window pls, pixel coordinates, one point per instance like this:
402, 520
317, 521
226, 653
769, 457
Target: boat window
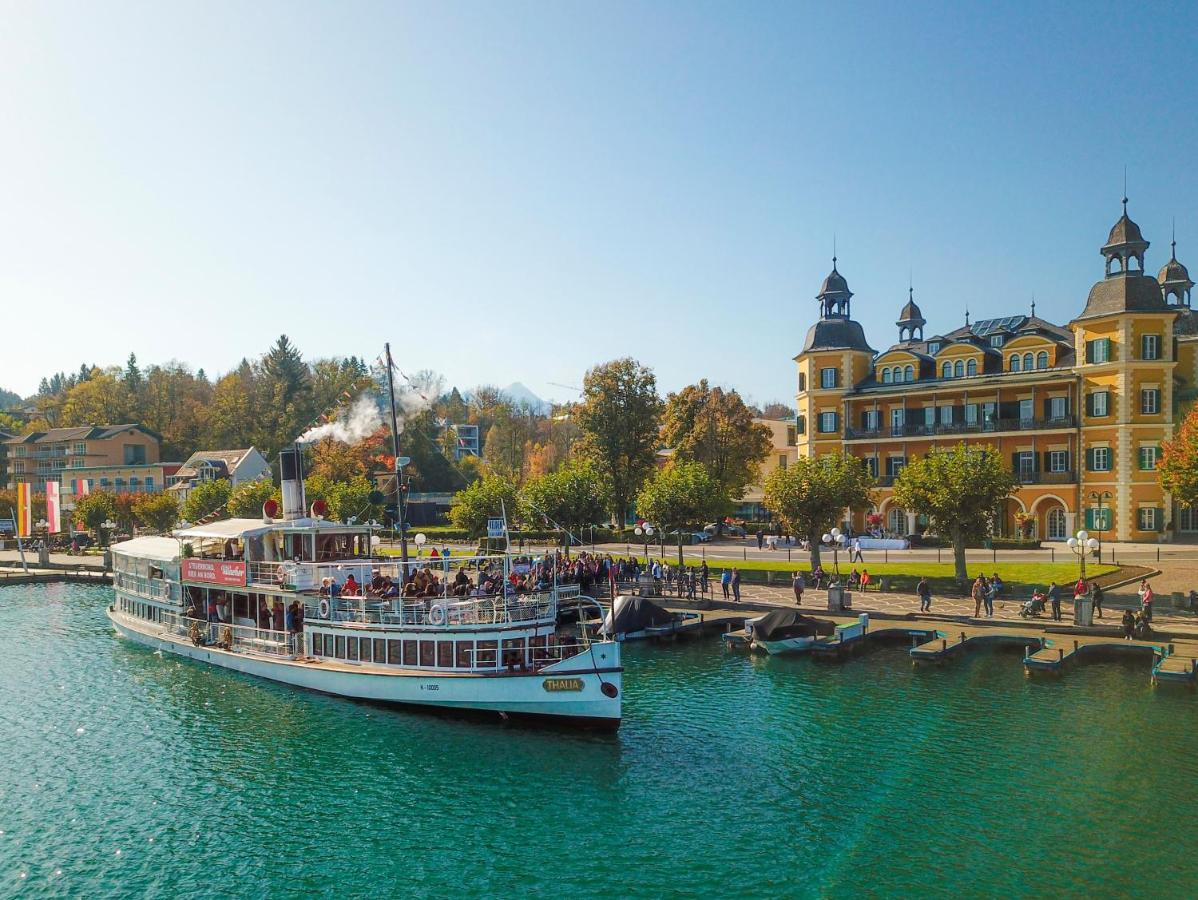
328, 645
393, 653
366, 657
536, 646
409, 653
445, 654
465, 651
380, 650
428, 653
351, 648
513, 652
341, 646
486, 653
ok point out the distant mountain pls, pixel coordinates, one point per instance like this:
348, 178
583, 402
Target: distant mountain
520, 395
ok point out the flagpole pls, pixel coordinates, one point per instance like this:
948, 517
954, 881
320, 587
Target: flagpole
399, 491
24, 565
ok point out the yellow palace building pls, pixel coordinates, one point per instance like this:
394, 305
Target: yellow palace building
1080, 410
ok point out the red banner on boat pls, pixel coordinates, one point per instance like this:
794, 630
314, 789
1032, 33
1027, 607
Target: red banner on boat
214, 571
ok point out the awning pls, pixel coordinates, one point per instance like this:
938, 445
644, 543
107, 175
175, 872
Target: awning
226, 529
159, 549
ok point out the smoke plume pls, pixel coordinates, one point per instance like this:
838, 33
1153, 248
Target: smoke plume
357, 423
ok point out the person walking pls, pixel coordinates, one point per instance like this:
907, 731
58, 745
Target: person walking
704, 582
1054, 600
855, 551
1096, 594
988, 598
726, 582
736, 585
925, 595
760, 538
799, 585
978, 593
1146, 598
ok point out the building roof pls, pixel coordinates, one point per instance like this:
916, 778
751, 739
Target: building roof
911, 313
1125, 232
836, 334
82, 433
1173, 272
223, 460
1124, 292
161, 549
834, 283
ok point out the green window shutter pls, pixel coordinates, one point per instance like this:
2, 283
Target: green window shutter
1089, 519
1089, 351
1106, 349
1089, 460
1089, 404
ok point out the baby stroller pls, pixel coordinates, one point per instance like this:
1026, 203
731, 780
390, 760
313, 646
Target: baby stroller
1031, 609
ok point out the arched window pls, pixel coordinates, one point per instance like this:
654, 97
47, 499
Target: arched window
972, 367
897, 520
898, 374
886, 376
1027, 362
1014, 362
946, 370
909, 373
958, 369
1057, 529
1042, 359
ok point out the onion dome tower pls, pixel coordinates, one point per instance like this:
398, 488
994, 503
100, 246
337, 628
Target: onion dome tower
1126, 287
836, 329
1175, 280
911, 320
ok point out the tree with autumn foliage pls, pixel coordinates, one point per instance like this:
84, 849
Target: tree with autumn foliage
715, 428
1178, 465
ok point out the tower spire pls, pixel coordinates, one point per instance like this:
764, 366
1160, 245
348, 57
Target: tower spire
967, 317
1125, 189
1033, 306
1173, 243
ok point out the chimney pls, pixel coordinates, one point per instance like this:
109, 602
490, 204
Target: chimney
291, 480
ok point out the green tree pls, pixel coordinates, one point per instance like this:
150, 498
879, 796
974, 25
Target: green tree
682, 495
246, 500
157, 512
482, 500
1178, 465
618, 417
812, 493
94, 509
101, 399
206, 498
958, 489
571, 497
714, 427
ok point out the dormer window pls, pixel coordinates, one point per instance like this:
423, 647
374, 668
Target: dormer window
934, 347
996, 340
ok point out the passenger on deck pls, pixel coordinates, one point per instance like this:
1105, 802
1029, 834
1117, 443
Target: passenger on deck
376, 583
390, 589
351, 588
277, 615
461, 584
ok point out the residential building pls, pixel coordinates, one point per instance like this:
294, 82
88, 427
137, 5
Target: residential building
238, 466
4, 438
783, 451
1080, 410
128, 452
466, 441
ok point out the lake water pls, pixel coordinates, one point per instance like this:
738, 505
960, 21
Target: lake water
127, 773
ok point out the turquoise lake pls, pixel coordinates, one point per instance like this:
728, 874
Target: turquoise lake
125, 773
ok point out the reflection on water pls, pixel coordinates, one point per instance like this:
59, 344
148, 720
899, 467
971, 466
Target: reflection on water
132, 772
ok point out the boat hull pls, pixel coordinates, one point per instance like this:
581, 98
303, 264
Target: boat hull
787, 645
569, 691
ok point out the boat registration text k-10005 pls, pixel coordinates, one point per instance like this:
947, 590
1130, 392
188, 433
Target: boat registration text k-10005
562, 684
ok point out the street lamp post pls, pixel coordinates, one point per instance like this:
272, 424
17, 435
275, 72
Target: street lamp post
644, 530
1081, 545
1099, 521
109, 526
835, 540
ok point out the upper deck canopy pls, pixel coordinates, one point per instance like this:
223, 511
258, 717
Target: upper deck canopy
160, 549
227, 529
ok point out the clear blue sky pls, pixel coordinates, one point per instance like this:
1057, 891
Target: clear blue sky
513, 191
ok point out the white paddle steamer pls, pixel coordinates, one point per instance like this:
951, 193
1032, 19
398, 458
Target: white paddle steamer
219, 593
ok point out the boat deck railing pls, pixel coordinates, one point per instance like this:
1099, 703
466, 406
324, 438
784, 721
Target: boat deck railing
146, 588
228, 636
440, 612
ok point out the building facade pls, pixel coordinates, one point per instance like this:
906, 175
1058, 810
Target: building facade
237, 466
783, 452
1080, 410
90, 451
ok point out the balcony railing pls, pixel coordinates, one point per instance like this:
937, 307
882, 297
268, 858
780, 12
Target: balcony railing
922, 429
1067, 477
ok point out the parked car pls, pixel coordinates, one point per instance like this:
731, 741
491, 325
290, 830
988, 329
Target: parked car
688, 537
730, 530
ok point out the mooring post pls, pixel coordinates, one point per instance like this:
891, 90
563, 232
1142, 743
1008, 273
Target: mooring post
1060, 654
962, 637
944, 645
